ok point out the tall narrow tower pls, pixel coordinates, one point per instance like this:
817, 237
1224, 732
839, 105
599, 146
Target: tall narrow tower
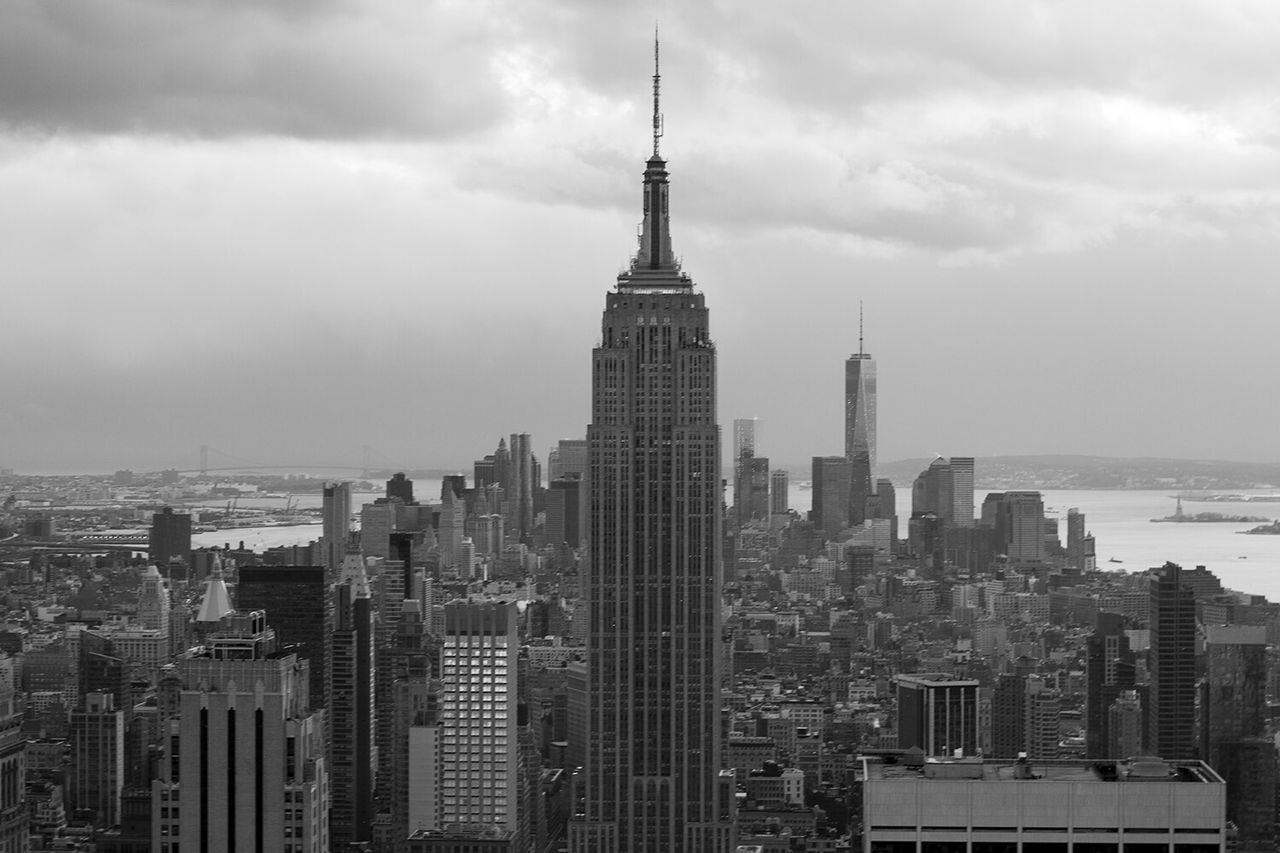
860, 403
351, 713
652, 778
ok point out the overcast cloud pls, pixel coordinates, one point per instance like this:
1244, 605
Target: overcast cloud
288, 230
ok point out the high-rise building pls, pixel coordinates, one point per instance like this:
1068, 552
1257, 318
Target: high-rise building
521, 486
295, 599
1171, 662
751, 488
1017, 519
860, 404
962, 506
153, 601
336, 517
352, 757
830, 509
569, 456
243, 766
937, 713
1233, 726
1109, 672
887, 500
652, 779
1042, 719
170, 537
96, 779
400, 486
1124, 725
13, 773
745, 432
1075, 541
779, 494
564, 511
479, 770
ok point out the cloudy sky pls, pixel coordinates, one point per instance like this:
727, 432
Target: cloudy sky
289, 230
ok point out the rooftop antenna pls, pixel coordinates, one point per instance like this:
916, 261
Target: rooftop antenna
657, 79
860, 328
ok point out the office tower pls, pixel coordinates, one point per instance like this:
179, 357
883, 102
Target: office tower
295, 599
564, 511
13, 781
779, 492
1124, 726
933, 491
96, 779
744, 438
1017, 519
937, 713
479, 760
568, 457
1044, 708
1075, 540
652, 777
1080, 805
521, 486
153, 601
400, 486
1233, 727
336, 515
414, 705
1009, 716
751, 489
831, 478
887, 498
961, 468
1171, 662
1109, 672
352, 757
452, 526
243, 770
377, 523
170, 537
861, 488
860, 404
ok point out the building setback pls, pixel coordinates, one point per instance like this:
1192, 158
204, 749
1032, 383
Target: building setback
652, 781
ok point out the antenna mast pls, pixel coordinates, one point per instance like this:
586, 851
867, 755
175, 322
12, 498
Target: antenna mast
657, 79
859, 328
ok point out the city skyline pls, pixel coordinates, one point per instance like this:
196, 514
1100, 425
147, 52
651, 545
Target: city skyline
202, 242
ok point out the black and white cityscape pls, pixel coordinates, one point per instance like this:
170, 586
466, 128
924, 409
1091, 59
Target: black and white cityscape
287, 567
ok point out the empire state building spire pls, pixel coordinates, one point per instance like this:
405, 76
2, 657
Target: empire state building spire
655, 252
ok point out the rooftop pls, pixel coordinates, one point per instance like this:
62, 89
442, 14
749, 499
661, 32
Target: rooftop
1143, 769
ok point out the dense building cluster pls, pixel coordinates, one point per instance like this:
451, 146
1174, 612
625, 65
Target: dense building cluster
611, 658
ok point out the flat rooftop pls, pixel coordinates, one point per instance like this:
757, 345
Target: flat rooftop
1012, 770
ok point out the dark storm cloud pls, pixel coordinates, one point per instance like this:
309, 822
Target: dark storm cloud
331, 70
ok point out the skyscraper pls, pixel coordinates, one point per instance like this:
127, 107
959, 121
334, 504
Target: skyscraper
352, 756
744, 437
96, 779
1233, 724
1172, 664
170, 537
243, 770
860, 403
831, 479
938, 713
295, 599
336, 508
961, 491
779, 496
652, 776
1109, 672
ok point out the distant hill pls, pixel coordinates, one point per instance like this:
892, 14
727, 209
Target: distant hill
1101, 472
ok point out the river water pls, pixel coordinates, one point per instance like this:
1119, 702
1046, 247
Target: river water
1119, 520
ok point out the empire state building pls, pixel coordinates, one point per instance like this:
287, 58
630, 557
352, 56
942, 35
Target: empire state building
652, 781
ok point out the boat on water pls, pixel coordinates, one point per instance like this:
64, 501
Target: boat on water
1114, 560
